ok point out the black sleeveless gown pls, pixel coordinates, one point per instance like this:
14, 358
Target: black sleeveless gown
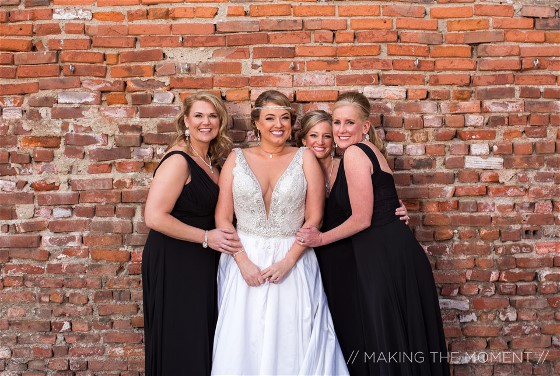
179, 286
380, 288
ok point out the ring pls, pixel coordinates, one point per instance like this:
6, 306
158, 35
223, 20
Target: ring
301, 240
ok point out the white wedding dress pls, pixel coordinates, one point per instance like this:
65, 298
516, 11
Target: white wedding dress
273, 329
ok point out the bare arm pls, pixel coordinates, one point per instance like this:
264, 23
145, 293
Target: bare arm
224, 208
358, 170
314, 202
224, 219
165, 189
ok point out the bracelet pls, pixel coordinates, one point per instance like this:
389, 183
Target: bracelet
236, 253
205, 242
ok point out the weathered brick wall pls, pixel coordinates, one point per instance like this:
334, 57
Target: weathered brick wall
466, 92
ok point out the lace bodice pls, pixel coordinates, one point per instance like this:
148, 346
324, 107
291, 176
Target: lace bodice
287, 206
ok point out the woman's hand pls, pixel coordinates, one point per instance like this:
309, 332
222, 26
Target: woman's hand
309, 237
250, 272
402, 212
224, 240
277, 271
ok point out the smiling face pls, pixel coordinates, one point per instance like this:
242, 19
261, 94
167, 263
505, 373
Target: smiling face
274, 124
320, 140
348, 126
203, 122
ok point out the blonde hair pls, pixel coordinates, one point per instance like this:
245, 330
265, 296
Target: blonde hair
361, 103
275, 97
219, 146
309, 120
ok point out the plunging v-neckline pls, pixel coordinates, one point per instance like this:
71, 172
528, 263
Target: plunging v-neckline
256, 180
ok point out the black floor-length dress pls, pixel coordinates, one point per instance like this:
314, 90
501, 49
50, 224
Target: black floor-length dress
179, 286
380, 288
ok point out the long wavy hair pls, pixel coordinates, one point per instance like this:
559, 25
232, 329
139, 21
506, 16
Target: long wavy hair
275, 97
219, 146
361, 103
308, 121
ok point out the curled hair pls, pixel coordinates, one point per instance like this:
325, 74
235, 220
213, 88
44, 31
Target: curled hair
219, 146
276, 98
309, 120
361, 103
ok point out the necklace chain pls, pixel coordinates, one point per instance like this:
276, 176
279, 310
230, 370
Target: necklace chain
203, 161
328, 182
270, 154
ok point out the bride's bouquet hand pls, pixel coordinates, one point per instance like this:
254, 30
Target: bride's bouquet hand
250, 272
277, 271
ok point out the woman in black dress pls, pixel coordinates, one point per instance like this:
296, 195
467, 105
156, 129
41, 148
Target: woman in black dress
392, 323
336, 260
179, 262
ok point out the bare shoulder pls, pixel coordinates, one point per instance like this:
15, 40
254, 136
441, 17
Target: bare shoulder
309, 157
230, 160
175, 160
353, 152
249, 150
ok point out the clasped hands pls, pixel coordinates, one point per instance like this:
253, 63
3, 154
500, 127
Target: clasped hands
254, 276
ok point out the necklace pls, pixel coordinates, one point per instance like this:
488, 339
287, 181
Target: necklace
270, 154
209, 164
328, 182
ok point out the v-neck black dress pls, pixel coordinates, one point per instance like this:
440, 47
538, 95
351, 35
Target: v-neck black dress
380, 287
179, 286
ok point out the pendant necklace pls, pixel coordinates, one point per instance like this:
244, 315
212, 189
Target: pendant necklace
270, 154
328, 182
203, 161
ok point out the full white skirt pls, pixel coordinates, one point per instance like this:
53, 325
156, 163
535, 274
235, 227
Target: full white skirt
274, 329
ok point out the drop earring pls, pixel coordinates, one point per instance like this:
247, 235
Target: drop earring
187, 133
367, 136
258, 136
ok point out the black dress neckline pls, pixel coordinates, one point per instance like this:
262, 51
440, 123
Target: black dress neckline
189, 159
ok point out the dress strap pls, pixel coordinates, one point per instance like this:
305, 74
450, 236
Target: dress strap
371, 155
299, 155
240, 158
185, 155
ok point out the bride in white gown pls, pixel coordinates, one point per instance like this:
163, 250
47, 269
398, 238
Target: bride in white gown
273, 314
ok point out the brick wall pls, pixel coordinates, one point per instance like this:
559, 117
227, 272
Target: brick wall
466, 92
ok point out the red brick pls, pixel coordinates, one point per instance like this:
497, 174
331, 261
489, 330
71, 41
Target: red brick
265, 10
421, 37
524, 36
452, 12
113, 42
313, 10
132, 71
316, 95
19, 241
414, 24
358, 10
68, 44
246, 39
537, 11
160, 41
371, 24
493, 10
465, 25
407, 50
316, 51
374, 36
403, 10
